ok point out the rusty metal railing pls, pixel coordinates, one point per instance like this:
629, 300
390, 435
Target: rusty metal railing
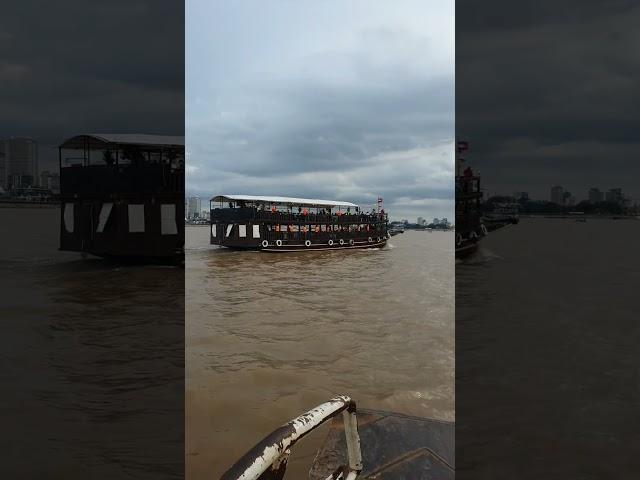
268, 459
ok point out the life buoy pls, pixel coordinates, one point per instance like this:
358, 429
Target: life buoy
330, 242
307, 243
458, 239
341, 242
279, 243
484, 229
473, 234
378, 239
265, 244
351, 242
370, 239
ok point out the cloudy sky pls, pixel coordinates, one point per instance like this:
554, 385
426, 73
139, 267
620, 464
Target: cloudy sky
74, 67
332, 99
547, 94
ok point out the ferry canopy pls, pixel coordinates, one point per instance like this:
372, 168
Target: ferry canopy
311, 202
106, 140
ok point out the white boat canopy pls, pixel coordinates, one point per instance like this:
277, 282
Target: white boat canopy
293, 201
105, 140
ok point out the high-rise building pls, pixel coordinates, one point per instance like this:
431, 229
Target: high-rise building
615, 195
557, 195
595, 195
20, 163
421, 221
50, 181
193, 207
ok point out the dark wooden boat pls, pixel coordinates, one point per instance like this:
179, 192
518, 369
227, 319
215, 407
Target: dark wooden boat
360, 444
122, 196
469, 227
287, 224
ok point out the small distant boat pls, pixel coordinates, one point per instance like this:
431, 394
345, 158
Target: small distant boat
503, 213
363, 444
396, 230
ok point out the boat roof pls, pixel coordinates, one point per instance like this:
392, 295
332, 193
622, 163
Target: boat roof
101, 140
312, 202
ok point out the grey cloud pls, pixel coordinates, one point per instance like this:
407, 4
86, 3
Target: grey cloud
549, 96
74, 66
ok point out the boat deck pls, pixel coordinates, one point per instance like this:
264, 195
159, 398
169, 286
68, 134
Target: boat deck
394, 447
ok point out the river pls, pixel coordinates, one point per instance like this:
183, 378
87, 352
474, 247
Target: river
92, 359
547, 363
269, 336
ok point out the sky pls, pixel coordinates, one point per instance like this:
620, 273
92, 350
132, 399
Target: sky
335, 100
73, 67
547, 94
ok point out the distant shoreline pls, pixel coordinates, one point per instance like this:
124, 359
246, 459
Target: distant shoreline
18, 204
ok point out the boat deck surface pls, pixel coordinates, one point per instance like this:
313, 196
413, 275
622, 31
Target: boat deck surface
394, 447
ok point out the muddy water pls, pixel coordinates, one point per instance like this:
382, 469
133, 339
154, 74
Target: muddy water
92, 359
269, 336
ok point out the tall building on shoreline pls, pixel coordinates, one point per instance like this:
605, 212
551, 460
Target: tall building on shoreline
20, 163
557, 195
194, 205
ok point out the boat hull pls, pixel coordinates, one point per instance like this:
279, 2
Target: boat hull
321, 246
467, 247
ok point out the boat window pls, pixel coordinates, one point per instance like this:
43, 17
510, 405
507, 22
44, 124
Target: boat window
68, 217
242, 231
168, 219
105, 211
229, 228
214, 230
136, 218
256, 231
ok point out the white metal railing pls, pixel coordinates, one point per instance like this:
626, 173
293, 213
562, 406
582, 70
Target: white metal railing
268, 459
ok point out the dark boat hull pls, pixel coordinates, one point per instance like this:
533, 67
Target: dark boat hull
394, 447
321, 246
466, 249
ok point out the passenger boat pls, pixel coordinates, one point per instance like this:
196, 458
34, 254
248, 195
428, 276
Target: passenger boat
122, 196
469, 227
360, 444
505, 213
287, 224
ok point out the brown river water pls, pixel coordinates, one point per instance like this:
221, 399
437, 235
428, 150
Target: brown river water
269, 336
92, 357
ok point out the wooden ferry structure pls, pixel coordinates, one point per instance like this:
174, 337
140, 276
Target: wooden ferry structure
287, 224
122, 196
469, 226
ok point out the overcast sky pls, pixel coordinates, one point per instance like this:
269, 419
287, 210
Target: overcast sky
547, 94
73, 67
332, 99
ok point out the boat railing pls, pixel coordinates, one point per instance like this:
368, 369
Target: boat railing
267, 460
247, 213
